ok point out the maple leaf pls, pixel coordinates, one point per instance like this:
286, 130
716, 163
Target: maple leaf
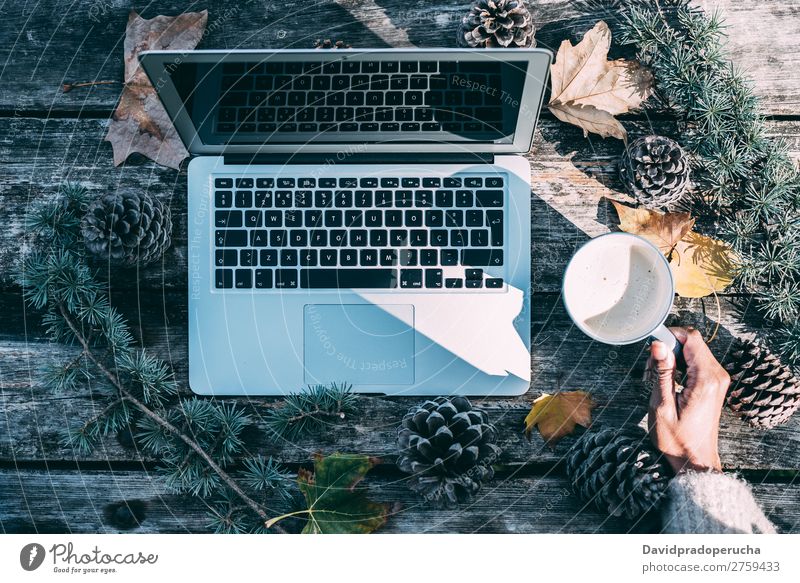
335, 504
588, 90
700, 265
140, 123
556, 415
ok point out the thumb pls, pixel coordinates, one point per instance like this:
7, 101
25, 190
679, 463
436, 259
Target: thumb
663, 394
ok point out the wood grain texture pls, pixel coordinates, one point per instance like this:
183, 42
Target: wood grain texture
572, 177
48, 43
85, 501
562, 357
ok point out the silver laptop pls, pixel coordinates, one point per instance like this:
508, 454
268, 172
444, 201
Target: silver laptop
357, 216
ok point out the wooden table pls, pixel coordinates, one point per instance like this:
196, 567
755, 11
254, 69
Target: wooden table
47, 136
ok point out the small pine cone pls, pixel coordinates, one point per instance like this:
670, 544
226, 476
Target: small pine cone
655, 170
497, 23
448, 447
764, 392
618, 471
330, 44
127, 229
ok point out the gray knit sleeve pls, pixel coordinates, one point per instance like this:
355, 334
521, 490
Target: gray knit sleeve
712, 503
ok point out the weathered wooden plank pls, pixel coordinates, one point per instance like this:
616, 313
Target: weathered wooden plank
86, 501
571, 178
48, 43
562, 357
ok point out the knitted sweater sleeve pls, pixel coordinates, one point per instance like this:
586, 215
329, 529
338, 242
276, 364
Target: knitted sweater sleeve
712, 503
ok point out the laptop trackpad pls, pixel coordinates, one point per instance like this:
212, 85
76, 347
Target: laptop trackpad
359, 344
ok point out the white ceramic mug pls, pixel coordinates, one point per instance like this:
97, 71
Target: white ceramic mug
618, 289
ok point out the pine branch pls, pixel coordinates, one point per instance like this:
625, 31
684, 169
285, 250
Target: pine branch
310, 410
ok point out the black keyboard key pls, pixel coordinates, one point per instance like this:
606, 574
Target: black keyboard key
474, 218
459, 238
286, 182
413, 218
253, 218
328, 257
434, 218
223, 182
268, 257
264, 199
348, 278
383, 198
223, 278
449, 257
358, 238
247, 258
403, 198
285, 278
343, 198
327, 183
323, 198
348, 257
390, 182
244, 183
273, 219
398, 237
338, 237
453, 283
373, 219
410, 182
454, 218
451, 182
473, 182
494, 282
409, 257
369, 257
368, 183
494, 182
410, 278
433, 278
474, 283
303, 199
482, 257
393, 219
226, 258
388, 257
370, 66
418, 238
308, 257
464, 198
390, 127
230, 238
223, 199
283, 198
334, 218
318, 238
479, 238
444, 198
378, 238
265, 182
363, 199
348, 183
473, 273
306, 183
244, 199
353, 218
298, 238
244, 279
431, 182
228, 219
439, 238
278, 238
423, 198
489, 198
263, 279
288, 257
494, 219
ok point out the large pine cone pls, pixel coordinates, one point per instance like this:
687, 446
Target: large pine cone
448, 448
655, 171
497, 23
618, 471
127, 229
763, 391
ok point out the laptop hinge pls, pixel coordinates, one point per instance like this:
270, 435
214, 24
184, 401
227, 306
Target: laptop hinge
361, 158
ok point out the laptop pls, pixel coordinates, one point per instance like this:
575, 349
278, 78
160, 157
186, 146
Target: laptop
357, 216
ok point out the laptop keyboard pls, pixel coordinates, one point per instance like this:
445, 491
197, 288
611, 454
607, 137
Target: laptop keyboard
396, 232
353, 96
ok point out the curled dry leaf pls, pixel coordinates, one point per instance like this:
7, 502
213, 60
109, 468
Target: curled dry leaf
700, 265
556, 415
140, 123
588, 90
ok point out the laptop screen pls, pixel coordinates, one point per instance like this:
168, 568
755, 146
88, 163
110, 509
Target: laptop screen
356, 97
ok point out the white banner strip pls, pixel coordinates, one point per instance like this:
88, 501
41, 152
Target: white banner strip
406, 558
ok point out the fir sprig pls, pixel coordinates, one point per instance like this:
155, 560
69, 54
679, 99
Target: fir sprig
745, 178
310, 410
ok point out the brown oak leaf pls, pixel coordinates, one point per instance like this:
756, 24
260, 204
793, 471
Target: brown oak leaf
588, 90
140, 123
556, 415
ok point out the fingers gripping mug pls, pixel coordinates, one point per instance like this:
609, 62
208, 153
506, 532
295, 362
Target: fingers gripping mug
618, 289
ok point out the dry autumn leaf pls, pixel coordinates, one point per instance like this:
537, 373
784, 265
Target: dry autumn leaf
140, 123
556, 415
700, 265
588, 90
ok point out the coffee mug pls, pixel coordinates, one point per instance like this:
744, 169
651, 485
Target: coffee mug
618, 289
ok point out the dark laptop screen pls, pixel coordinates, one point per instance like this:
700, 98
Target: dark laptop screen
355, 98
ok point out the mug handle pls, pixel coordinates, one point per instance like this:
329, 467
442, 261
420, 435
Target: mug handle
665, 335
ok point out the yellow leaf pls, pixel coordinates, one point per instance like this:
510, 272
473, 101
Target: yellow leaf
664, 230
556, 415
700, 265
588, 90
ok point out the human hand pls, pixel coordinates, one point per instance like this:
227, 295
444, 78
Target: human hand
684, 425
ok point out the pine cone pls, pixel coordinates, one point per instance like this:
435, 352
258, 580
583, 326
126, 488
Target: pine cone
330, 44
127, 229
497, 23
764, 392
618, 471
448, 448
655, 171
